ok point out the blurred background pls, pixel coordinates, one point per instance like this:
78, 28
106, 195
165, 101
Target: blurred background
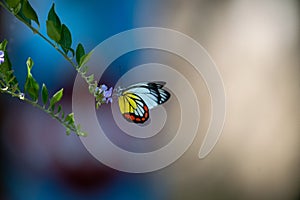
256, 46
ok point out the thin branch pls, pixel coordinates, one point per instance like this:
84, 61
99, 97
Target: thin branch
34, 104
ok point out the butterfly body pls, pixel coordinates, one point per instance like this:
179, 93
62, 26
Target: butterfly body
136, 100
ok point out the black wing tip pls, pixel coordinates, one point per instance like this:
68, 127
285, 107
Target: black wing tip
157, 84
166, 97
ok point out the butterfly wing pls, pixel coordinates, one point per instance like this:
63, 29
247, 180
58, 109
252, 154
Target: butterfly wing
133, 108
136, 100
151, 92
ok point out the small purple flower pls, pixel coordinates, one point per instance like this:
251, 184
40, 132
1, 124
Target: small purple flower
1, 57
108, 95
105, 93
109, 100
103, 88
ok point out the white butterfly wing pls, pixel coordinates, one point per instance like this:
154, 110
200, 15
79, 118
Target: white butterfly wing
151, 93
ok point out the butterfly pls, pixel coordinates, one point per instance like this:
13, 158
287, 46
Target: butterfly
136, 100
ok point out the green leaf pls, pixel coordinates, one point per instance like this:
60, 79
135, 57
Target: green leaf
12, 3
52, 31
70, 118
23, 18
29, 64
65, 39
84, 59
59, 109
56, 97
68, 131
53, 25
81, 133
62, 114
98, 104
92, 89
90, 78
79, 52
84, 69
14, 88
6, 73
52, 108
3, 45
11, 80
17, 9
52, 16
31, 85
29, 12
44, 94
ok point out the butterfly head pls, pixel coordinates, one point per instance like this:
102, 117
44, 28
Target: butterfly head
117, 91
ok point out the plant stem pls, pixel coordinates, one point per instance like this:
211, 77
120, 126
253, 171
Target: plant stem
34, 104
